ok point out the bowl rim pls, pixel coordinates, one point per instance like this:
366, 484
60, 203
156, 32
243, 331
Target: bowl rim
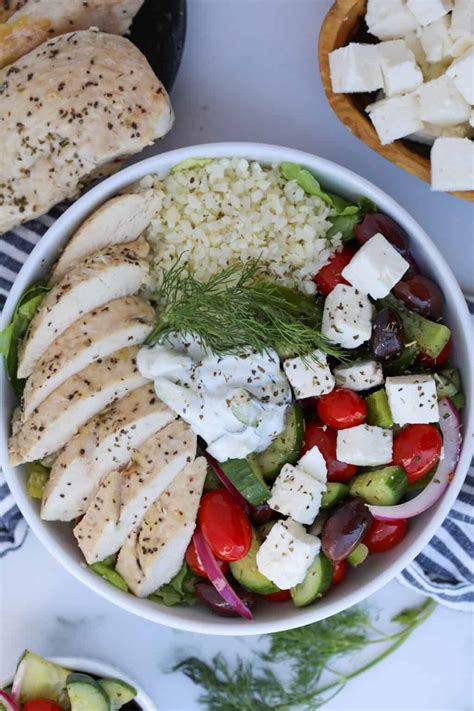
267, 154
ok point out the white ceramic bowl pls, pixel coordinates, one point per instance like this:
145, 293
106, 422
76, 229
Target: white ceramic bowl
99, 668
378, 570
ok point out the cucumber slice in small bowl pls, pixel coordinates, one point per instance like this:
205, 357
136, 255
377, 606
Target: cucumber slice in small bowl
86, 694
38, 678
118, 692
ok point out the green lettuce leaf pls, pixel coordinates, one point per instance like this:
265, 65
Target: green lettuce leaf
179, 591
346, 215
11, 335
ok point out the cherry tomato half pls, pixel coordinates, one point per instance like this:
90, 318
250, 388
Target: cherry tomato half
319, 435
342, 408
339, 571
41, 705
278, 596
224, 525
330, 275
417, 449
381, 536
439, 360
194, 562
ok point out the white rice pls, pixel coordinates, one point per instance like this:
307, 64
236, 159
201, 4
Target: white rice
232, 210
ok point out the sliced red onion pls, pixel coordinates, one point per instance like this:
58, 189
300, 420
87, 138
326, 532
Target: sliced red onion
8, 702
217, 578
450, 427
227, 483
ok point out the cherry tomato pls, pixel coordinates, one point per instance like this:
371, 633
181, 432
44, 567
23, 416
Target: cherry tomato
439, 360
339, 571
342, 408
319, 435
194, 562
42, 705
278, 596
224, 525
417, 449
381, 536
330, 275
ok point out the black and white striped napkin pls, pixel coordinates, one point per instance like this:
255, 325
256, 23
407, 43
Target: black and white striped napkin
444, 570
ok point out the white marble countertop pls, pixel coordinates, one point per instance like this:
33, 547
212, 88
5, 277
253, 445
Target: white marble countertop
250, 73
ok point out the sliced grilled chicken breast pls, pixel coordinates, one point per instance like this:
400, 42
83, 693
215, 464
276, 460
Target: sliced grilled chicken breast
119, 323
9, 7
154, 552
67, 109
106, 442
121, 219
39, 20
108, 520
116, 271
68, 407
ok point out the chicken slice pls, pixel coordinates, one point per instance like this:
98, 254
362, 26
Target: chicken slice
119, 323
124, 496
9, 7
40, 20
106, 442
121, 219
67, 109
154, 552
116, 271
68, 407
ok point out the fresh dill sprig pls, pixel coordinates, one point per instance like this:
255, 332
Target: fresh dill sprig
287, 675
235, 310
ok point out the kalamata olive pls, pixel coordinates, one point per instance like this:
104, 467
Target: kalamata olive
413, 269
387, 335
345, 528
207, 593
261, 513
421, 295
375, 222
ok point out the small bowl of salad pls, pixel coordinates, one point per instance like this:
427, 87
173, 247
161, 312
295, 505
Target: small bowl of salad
70, 684
236, 389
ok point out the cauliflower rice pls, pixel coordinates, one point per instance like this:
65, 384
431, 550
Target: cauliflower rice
232, 210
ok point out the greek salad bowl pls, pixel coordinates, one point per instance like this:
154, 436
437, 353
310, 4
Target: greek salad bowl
353, 442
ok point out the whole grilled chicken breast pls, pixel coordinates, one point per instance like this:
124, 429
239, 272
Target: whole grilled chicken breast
67, 109
39, 20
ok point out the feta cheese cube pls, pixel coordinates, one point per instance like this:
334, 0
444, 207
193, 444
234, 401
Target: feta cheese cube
297, 494
355, 68
286, 554
412, 399
427, 11
461, 72
389, 19
436, 40
376, 267
396, 117
364, 445
452, 164
461, 45
442, 104
361, 375
399, 69
310, 376
347, 317
314, 463
430, 132
462, 19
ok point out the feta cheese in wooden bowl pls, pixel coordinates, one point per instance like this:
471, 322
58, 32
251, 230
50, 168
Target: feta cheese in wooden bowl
400, 75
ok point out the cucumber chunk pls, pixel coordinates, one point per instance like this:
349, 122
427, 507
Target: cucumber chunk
110, 575
358, 555
380, 487
334, 493
317, 581
286, 448
401, 364
118, 692
38, 678
38, 476
378, 409
246, 476
246, 573
430, 336
458, 400
448, 382
85, 694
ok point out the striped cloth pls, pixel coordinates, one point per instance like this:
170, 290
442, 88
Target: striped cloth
444, 570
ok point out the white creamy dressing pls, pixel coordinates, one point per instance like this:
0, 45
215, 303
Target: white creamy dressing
236, 403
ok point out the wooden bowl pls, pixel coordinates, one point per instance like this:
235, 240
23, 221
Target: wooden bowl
345, 23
